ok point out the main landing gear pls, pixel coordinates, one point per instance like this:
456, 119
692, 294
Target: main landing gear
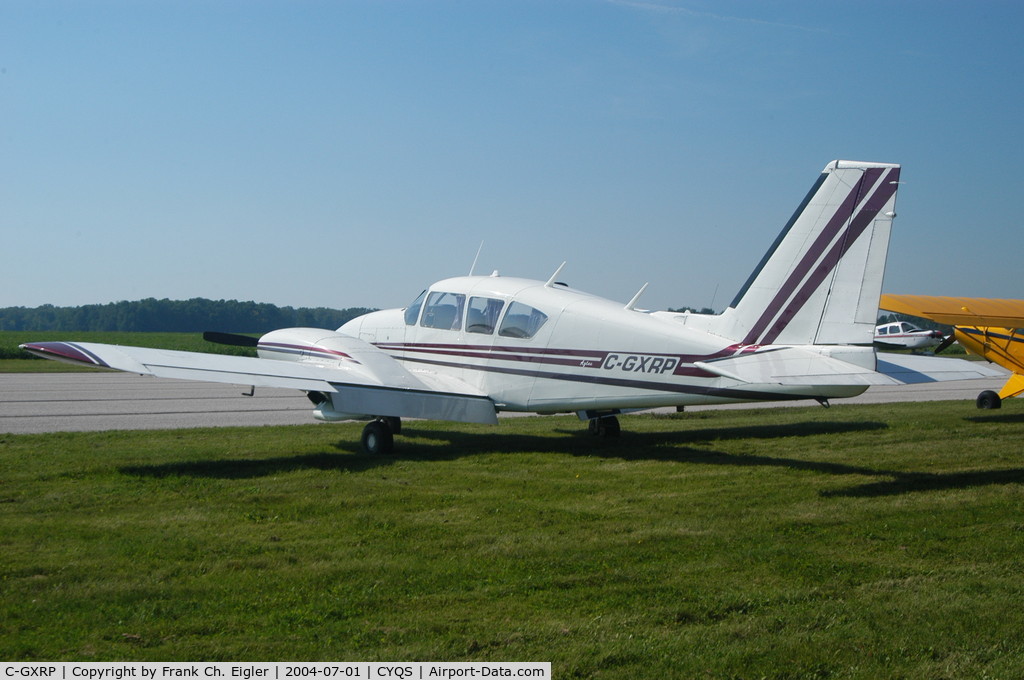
379, 435
605, 426
989, 400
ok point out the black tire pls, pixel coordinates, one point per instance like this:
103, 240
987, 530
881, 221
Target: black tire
378, 439
989, 400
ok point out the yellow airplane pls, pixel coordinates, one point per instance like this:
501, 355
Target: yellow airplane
986, 327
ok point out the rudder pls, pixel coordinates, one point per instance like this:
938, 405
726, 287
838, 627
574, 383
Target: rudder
821, 280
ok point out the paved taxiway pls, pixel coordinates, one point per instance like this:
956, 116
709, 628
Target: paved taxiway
68, 402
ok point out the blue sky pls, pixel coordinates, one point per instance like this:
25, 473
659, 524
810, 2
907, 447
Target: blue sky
349, 153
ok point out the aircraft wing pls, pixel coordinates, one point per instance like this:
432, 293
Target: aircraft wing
799, 367
958, 311
375, 384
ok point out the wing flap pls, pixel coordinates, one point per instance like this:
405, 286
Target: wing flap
958, 311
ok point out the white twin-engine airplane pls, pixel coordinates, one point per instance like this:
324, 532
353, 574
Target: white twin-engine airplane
471, 347
905, 335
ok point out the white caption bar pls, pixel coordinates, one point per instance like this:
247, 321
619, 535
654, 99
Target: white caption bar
374, 670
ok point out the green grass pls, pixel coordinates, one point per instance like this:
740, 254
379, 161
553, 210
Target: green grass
37, 365
854, 542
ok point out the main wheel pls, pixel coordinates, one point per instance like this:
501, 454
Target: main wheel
607, 426
989, 400
378, 438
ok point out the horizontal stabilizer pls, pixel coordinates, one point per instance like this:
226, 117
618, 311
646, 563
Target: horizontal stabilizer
793, 366
912, 369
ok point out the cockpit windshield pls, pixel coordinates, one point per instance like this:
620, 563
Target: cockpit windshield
443, 310
412, 312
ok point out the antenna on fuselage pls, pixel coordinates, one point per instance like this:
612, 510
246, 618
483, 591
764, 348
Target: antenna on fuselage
631, 305
473, 266
551, 281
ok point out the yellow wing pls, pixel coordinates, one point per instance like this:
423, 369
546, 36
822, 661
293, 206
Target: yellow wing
958, 311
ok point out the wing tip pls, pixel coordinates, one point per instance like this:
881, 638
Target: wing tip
63, 351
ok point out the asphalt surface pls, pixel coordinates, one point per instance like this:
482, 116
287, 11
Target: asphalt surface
70, 402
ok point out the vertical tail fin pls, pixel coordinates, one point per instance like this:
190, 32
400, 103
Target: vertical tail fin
821, 280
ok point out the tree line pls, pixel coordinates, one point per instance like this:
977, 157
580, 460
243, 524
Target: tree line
173, 316
200, 314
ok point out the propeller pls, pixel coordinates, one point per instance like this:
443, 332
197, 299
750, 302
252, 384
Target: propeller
230, 339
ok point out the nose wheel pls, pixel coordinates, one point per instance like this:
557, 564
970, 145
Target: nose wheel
379, 436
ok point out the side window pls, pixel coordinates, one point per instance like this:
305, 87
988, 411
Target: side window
412, 312
884, 330
483, 314
443, 310
521, 321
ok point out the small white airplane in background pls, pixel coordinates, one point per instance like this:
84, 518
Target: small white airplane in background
468, 348
904, 335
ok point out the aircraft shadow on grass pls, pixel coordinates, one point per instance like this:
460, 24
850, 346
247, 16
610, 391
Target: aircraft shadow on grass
684, 447
911, 482
660, 446
1009, 418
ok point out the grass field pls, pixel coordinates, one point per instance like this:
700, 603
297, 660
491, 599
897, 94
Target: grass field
855, 542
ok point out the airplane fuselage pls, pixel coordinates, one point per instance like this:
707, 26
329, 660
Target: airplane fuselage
585, 354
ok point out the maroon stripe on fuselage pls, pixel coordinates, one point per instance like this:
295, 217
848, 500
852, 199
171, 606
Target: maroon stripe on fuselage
577, 358
827, 235
598, 379
416, 346
528, 354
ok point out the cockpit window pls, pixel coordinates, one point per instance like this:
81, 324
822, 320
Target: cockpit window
412, 312
483, 314
521, 321
443, 310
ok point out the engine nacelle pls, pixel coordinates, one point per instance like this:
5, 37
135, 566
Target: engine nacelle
306, 344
